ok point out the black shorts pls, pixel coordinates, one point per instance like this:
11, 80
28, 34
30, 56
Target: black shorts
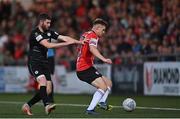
36, 69
51, 62
88, 75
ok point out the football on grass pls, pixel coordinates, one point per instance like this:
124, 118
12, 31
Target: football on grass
129, 104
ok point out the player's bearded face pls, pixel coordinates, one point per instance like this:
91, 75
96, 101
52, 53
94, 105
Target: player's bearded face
46, 24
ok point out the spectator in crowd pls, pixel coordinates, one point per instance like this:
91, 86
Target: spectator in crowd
129, 20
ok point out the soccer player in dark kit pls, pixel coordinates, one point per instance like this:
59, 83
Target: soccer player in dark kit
39, 41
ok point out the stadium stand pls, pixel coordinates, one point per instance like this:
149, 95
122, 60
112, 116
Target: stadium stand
141, 30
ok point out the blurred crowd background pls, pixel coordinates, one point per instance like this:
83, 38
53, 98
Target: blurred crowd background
139, 30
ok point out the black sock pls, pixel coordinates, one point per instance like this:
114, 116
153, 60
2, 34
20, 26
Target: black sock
35, 99
43, 95
51, 95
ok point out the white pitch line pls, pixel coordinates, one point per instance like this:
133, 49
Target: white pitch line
83, 105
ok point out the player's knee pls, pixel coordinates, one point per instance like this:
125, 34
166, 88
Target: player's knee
109, 83
103, 87
42, 80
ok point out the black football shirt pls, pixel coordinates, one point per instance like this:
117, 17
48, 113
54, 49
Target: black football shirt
37, 52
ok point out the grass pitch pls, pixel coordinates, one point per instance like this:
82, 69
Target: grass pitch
74, 106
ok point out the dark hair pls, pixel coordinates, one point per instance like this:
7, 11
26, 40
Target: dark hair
100, 21
43, 16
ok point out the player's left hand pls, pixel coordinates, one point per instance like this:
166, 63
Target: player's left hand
108, 61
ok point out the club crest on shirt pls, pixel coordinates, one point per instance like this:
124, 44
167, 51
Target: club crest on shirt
36, 72
48, 34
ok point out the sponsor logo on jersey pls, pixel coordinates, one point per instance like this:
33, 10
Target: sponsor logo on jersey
39, 37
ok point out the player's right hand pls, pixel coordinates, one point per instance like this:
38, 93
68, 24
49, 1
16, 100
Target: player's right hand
82, 42
108, 61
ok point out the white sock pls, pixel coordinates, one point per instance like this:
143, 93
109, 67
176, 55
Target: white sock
96, 97
104, 97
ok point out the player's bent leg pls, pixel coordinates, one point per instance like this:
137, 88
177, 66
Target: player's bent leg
36, 98
43, 93
102, 103
42, 80
49, 87
107, 81
101, 87
50, 93
26, 109
99, 84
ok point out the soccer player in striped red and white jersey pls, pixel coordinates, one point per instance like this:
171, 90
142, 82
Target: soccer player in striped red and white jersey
87, 72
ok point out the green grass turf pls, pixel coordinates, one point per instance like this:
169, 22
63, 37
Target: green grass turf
14, 110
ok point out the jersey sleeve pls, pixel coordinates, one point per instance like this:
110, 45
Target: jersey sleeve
54, 35
38, 37
93, 42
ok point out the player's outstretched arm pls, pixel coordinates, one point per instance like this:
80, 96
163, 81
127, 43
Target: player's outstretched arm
96, 53
69, 40
46, 44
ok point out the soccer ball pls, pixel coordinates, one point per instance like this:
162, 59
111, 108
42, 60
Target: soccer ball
129, 104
